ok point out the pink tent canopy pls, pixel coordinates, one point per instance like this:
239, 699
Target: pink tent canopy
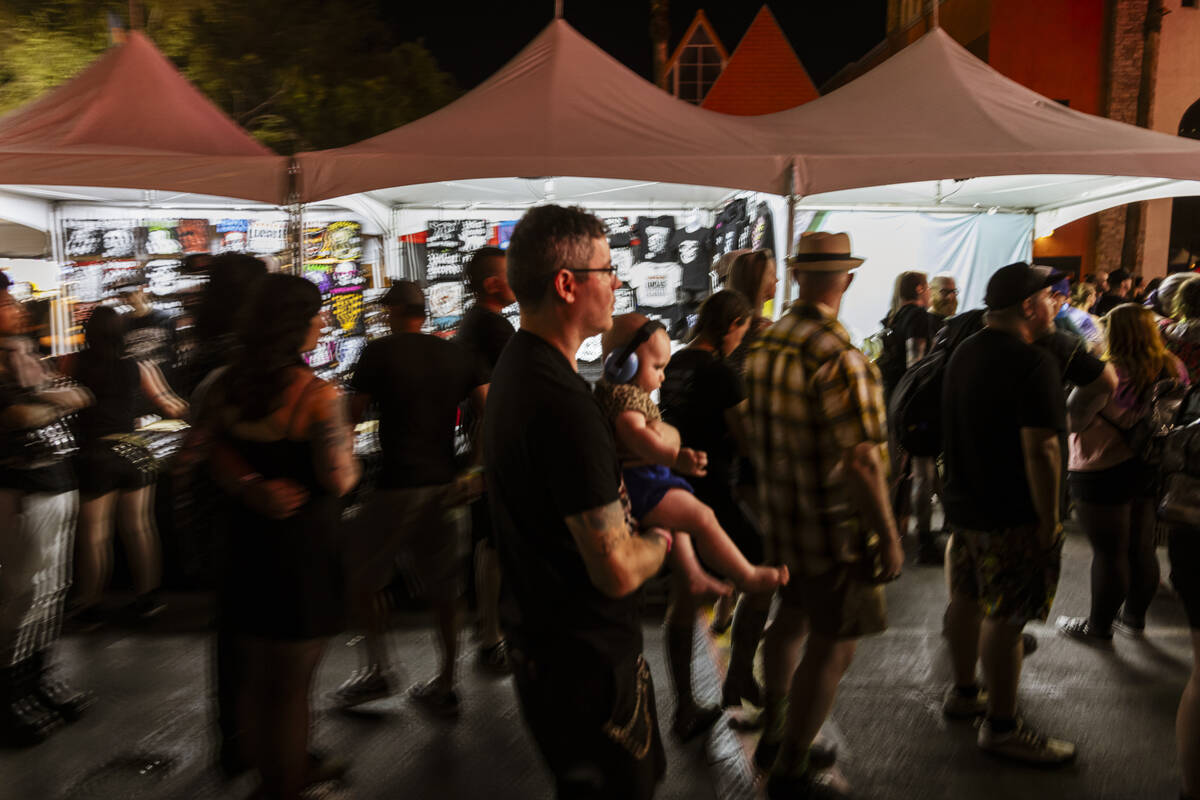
561, 107
934, 111
130, 120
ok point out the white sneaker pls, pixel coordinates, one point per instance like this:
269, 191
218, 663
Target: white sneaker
955, 706
363, 686
1023, 743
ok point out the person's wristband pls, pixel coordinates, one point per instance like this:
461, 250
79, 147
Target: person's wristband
666, 534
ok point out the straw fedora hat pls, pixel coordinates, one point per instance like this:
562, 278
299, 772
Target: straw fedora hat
823, 252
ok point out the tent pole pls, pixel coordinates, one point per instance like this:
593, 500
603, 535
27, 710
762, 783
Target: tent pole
935, 4
59, 316
295, 223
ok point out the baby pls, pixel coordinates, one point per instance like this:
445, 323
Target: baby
636, 353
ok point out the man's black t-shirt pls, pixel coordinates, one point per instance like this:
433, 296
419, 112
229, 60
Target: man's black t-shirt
550, 454
1107, 303
1076, 365
417, 380
995, 385
697, 391
483, 334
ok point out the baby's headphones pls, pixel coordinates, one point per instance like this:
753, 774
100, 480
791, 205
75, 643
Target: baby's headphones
622, 365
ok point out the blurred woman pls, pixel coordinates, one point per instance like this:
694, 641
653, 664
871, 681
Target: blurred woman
701, 395
1112, 487
115, 470
282, 595
753, 276
1182, 331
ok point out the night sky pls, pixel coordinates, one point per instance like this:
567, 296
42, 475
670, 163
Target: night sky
471, 40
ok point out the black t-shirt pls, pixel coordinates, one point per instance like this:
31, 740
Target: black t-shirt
655, 237
1107, 303
697, 391
995, 385
909, 323
34, 460
151, 338
732, 228
483, 334
417, 380
1076, 365
550, 454
116, 387
695, 254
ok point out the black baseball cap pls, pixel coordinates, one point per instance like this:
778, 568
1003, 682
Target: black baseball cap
1013, 283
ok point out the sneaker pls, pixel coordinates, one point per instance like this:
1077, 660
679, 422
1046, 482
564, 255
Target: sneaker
363, 686
1029, 643
1080, 630
434, 699
958, 706
1133, 628
1023, 743
495, 658
148, 606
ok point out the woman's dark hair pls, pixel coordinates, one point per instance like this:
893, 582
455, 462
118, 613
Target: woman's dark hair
231, 278
717, 314
104, 333
746, 273
273, 326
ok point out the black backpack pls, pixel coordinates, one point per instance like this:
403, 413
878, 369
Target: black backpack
915, 407
1179, 467
892, 358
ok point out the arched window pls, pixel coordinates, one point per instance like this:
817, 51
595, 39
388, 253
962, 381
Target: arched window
1185, 211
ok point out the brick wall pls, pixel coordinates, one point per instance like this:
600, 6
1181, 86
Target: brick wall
1123, 79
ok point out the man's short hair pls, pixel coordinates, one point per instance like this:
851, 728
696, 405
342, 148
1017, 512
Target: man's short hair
405, 298
548, 239
479, 268
1117, 277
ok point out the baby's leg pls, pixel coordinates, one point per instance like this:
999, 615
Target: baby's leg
680, 510
699, 582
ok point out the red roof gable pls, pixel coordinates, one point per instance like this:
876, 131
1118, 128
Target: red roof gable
763, 76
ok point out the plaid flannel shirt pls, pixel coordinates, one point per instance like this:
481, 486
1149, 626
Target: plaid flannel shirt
812, 395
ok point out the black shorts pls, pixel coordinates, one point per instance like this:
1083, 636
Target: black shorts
1113, 486
110, 465
1183, 545
594, 722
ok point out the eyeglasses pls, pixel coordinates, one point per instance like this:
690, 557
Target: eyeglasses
611, 270
947, 292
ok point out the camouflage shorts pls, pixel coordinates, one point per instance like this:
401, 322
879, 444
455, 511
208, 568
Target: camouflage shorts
1007, 571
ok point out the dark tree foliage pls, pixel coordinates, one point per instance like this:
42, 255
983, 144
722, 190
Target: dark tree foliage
300, 75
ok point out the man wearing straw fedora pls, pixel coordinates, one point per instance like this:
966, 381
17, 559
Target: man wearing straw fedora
818, 438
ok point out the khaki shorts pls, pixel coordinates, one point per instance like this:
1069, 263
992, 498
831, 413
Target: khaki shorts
414, 530
838, 605
1006, 571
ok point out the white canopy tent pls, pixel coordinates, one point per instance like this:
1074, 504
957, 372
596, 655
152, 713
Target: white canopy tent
935, 128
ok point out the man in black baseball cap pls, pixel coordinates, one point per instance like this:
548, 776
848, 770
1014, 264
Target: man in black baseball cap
1003, 411
1015, 283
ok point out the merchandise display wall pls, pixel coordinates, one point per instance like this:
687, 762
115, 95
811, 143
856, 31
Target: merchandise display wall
664, 259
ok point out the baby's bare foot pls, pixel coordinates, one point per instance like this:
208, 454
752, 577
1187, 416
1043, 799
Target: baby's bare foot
765, 579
